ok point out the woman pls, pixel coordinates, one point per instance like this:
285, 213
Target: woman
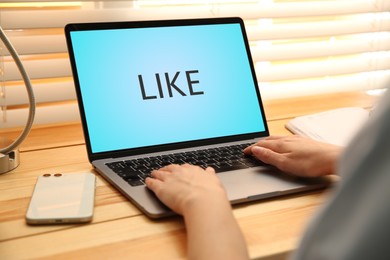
353, 224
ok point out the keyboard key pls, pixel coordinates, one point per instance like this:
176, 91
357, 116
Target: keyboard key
228, 167
221, 159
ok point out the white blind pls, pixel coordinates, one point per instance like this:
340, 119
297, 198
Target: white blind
299, 47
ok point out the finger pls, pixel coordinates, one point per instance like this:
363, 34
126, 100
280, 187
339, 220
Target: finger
187, 165
281, 145
262, 142
268, 156
153, 184
210, 170
192, 167
169, 167
274, 137
160, 174
248, 150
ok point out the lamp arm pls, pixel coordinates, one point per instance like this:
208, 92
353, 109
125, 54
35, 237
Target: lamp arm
30, 92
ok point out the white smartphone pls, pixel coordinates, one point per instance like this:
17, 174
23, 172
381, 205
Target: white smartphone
62, 198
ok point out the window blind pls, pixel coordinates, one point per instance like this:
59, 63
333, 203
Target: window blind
300, 47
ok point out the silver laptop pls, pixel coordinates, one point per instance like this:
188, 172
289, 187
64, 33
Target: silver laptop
152, 93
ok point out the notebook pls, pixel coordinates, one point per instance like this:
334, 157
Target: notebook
151, 89
321, 126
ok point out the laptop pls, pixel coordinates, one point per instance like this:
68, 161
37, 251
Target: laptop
151, 93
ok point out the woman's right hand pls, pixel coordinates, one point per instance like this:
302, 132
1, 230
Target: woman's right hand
297, 155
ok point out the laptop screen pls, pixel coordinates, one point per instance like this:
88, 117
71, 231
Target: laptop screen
142, 87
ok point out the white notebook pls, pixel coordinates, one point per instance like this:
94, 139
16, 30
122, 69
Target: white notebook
336, 126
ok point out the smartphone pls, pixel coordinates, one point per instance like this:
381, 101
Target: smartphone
62, 198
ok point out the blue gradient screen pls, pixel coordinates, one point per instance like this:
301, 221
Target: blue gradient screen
142, 87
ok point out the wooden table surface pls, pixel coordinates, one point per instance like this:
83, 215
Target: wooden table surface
272, 228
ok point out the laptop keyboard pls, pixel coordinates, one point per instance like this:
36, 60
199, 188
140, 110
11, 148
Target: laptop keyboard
225, 158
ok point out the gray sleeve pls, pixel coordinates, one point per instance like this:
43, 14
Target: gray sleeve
355, 223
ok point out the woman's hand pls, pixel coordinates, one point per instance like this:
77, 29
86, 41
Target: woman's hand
181, 187
297, 155
199, 196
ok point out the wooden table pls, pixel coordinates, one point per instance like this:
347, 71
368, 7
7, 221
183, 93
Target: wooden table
272, 228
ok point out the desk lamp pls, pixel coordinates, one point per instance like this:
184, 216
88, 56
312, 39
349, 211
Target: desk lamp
9, 155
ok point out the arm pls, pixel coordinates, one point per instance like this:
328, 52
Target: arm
297, 155
199, 196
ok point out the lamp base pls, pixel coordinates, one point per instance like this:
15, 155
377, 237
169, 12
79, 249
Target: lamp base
9, 161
